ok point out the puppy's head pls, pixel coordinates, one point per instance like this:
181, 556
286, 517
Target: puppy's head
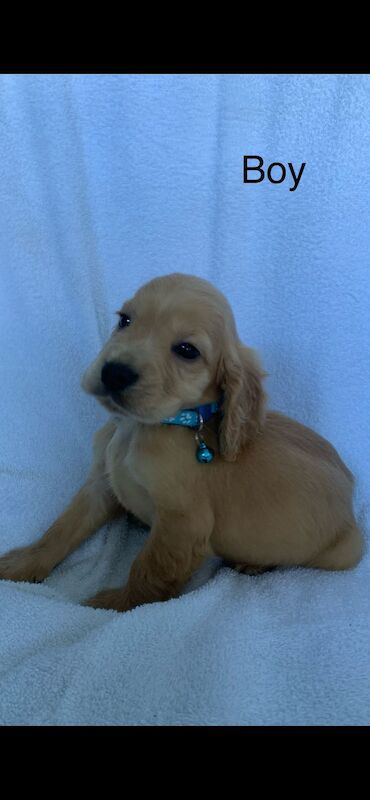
175, 346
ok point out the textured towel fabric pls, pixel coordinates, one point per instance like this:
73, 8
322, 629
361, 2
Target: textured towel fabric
105, 182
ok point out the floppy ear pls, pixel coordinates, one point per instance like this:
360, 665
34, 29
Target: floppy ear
240, 377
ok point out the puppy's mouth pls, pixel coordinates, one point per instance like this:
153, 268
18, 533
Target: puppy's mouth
117, 398
113, 401
117, 403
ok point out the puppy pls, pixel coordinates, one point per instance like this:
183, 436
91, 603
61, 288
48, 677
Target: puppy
254, 487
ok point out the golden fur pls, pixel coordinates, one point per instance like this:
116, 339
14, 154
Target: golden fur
276, 493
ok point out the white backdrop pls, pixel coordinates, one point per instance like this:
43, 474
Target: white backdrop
109, 180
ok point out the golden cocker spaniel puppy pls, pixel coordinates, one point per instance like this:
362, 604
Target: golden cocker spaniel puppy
192, 452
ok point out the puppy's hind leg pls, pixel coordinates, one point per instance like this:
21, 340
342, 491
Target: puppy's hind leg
344, 553
92, 507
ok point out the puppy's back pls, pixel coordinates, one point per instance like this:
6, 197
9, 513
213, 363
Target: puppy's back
304, 439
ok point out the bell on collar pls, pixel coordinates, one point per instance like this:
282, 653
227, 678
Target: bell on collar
204, 454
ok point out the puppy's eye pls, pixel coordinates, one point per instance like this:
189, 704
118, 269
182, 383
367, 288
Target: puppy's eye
186, 350
124, 320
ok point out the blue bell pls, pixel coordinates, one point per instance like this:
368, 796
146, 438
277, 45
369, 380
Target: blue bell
204, 454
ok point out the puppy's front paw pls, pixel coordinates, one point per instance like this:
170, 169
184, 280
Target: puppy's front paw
114, 599
23, 564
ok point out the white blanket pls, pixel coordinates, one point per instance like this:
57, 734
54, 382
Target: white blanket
105, 182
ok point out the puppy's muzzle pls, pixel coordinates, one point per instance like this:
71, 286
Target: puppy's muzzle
116, 376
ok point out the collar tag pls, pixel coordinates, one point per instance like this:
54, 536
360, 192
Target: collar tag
194, 418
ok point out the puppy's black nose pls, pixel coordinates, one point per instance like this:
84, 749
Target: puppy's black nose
117, 377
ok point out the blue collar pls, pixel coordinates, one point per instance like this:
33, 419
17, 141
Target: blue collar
193, 417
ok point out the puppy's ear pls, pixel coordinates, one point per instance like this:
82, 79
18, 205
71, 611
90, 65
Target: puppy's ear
240, 377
